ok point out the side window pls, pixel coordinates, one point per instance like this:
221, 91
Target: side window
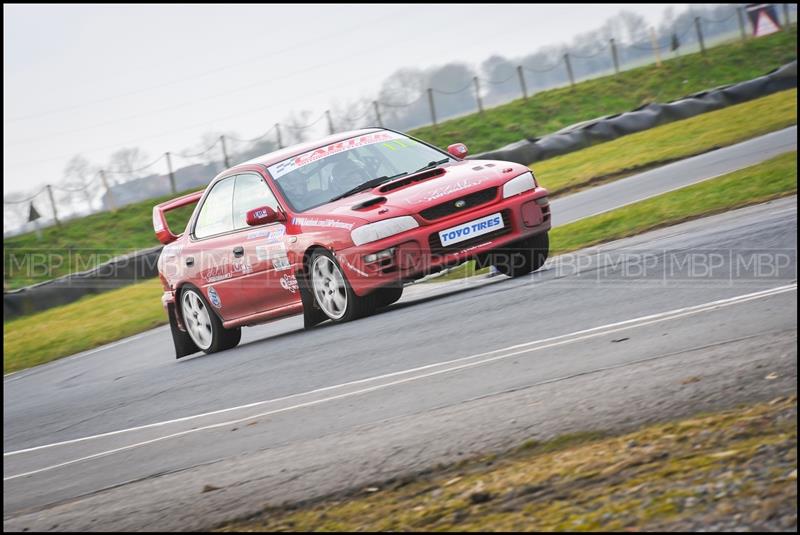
215, 216
251, 192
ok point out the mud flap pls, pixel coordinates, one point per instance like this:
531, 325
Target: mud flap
183, 342
312, 315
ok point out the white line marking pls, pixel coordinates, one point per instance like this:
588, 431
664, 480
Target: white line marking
523, 348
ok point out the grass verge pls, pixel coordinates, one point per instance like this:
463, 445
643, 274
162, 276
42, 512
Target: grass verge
554, 109
100, 319
776, 177
89, 322
735, 468
666, 143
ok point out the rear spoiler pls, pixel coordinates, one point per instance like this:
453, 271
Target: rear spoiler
163, 233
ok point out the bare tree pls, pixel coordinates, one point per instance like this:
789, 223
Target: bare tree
125, 163
400, 99
635, 26
353, 114
78, 173
296, 128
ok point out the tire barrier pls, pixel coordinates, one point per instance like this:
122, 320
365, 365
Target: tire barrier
584, 134
115, 273
125, 270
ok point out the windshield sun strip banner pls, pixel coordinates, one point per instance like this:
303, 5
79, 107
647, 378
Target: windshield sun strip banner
296, 162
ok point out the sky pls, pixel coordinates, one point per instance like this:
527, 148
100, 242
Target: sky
90, 79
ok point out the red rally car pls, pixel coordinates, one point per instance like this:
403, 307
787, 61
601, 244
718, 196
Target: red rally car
333, 229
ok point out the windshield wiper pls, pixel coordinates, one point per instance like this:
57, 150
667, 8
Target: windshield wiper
431, 164
367, 185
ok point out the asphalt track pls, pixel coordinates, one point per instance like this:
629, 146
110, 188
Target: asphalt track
126, 437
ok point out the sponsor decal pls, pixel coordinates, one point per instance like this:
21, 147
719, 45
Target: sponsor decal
242, 267
227, 271
296, 162
325, 223
281, 263
443, 191
271, 236
354, 268
468, 249
216, 273
471, 229
214, 297
289, 283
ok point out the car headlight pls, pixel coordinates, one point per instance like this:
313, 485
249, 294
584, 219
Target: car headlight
515, 186
382, 229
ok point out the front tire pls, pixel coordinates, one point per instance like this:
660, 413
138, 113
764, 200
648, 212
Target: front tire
524, 256
204, 326
332, 292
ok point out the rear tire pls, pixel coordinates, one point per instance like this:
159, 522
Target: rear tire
332, 292
203, 325
524, 256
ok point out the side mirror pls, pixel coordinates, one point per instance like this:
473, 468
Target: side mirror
459, 150
261, 215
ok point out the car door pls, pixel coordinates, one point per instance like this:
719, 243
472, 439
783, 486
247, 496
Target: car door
209, 252
265, 274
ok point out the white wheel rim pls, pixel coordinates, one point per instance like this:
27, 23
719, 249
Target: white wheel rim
196, 319
330, 290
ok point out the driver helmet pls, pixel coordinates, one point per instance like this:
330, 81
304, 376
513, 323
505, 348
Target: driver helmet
348, 174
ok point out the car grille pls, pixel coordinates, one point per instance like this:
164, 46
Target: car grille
470, 201
437, 247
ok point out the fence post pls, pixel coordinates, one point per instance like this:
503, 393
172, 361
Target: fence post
330, 121
786, 17
614, 55
377, 113
478, 94
741, 23
53, 204
112, 203
522, 82
569, 69
224, 152
656, 50
700, 35
172, 175
278, 133
433, 110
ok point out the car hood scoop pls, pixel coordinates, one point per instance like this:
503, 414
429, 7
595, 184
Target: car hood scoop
369, 202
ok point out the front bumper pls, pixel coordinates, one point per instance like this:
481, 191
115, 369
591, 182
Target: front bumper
418, 252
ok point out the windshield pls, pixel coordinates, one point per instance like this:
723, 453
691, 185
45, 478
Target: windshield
319, 176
